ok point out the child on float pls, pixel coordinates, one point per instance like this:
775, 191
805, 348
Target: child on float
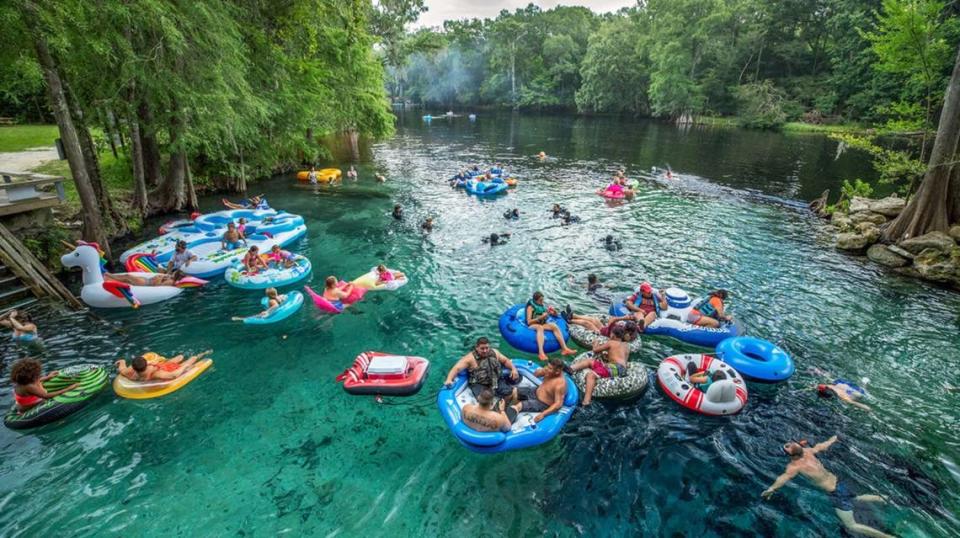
140, 369
28, 380
280, 258
384, 275
252, 262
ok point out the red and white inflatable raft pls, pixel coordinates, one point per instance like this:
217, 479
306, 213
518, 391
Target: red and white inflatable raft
382, 373
724, 397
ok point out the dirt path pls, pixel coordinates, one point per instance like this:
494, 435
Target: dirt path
24, 161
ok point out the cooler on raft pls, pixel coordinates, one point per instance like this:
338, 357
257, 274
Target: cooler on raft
382, 373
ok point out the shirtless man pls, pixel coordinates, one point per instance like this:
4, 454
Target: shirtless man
484, 366
483, 417
611, 364
141, 370
803, 461
334, 293
546, 399
231, 238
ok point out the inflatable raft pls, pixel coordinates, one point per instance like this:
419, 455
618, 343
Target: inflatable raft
724, 397
756, 359
514, 329
143, 390
286, 309
92, 380
615, 388
274, 277
525, 432
371, 281
325, 305
382, 373
485, 188
324, 175
673, 321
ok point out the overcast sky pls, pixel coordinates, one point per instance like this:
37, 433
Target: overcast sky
441, 10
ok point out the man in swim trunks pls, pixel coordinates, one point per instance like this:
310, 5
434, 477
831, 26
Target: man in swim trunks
483, 416
609, 360
231, 238
181, 257
141, 370
803, 461
335, 294
484, 366
546, 399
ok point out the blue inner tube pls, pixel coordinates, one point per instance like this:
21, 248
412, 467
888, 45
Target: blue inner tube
492, 442
513, 328
288, 308
756, 359
680, 329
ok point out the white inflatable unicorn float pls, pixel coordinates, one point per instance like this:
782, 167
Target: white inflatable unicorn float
101, 293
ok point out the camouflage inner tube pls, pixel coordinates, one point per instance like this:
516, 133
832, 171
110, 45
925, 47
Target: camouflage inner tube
92, 380
587, 338
618, 388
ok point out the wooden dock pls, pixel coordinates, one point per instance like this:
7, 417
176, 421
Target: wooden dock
21, 192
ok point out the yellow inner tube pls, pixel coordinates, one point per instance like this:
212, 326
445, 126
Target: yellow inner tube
325, 175
143, 390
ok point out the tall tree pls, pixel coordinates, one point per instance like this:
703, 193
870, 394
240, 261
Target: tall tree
937, 202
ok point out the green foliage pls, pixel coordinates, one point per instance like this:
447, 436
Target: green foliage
761, 105
45, 244
894, 167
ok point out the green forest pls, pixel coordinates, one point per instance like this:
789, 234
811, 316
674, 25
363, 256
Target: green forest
154, 98
765, 62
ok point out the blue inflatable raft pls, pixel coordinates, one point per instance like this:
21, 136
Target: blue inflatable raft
485, 188
525, 432
756, 359
673, 321
513, 328
285, 310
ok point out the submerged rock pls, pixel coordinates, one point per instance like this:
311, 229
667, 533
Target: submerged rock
891, 206
933, 240
884, 256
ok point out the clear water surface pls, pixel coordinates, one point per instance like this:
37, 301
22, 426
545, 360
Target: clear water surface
266, 443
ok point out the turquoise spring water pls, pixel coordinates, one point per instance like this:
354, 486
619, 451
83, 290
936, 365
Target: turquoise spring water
266, 443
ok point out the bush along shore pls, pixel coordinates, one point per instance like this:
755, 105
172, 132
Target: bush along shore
934, 256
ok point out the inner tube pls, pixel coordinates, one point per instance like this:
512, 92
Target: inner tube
484, 188
756, 359
673, 322
92, 380
143, 390
611, 194
274, 277
525, 432
615, 388
324, 175
725, 397
514, 329
587, 338
286, 309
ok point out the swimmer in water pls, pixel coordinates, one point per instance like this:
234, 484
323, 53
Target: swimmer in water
804, 462
496, 239
427, 225
542, 156
397, 212
513, 214
611, 244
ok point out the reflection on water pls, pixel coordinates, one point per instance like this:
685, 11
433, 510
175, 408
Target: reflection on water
265, 442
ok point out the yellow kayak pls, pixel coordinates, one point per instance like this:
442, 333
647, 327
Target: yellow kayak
142, 390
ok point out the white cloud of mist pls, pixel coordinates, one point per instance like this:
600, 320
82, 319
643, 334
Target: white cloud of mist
441, 10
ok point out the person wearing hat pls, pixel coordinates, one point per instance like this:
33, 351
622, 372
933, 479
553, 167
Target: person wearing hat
644, 304
181, 257
710, 313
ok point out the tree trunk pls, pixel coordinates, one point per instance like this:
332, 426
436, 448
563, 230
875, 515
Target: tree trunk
151, 150
140, 201
353, 141
935, 206
192, 203
92, 224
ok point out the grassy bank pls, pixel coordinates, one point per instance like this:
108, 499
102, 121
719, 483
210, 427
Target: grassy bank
789, 127
21, 137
